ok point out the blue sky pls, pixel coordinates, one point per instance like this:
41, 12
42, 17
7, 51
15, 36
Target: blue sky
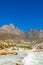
25, 14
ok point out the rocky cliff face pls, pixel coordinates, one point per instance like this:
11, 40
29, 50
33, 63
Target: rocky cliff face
10, 31
34, 34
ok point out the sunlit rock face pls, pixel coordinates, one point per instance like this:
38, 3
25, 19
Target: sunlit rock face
10, 31
40, 46
34, 34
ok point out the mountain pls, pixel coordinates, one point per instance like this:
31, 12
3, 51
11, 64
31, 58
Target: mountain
10, 31
34, 34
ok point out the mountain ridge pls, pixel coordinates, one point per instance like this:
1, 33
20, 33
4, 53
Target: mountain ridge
11, 31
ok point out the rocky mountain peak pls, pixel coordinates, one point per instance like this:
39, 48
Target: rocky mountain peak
30, 34
10, 29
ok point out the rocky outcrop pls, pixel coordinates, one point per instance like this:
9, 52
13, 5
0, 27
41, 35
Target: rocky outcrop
8, 51
34, 34
39, 48
10, 31
17, 64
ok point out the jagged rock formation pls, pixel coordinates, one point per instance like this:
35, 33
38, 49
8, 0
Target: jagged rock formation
39, 47
34, 34
10, 31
